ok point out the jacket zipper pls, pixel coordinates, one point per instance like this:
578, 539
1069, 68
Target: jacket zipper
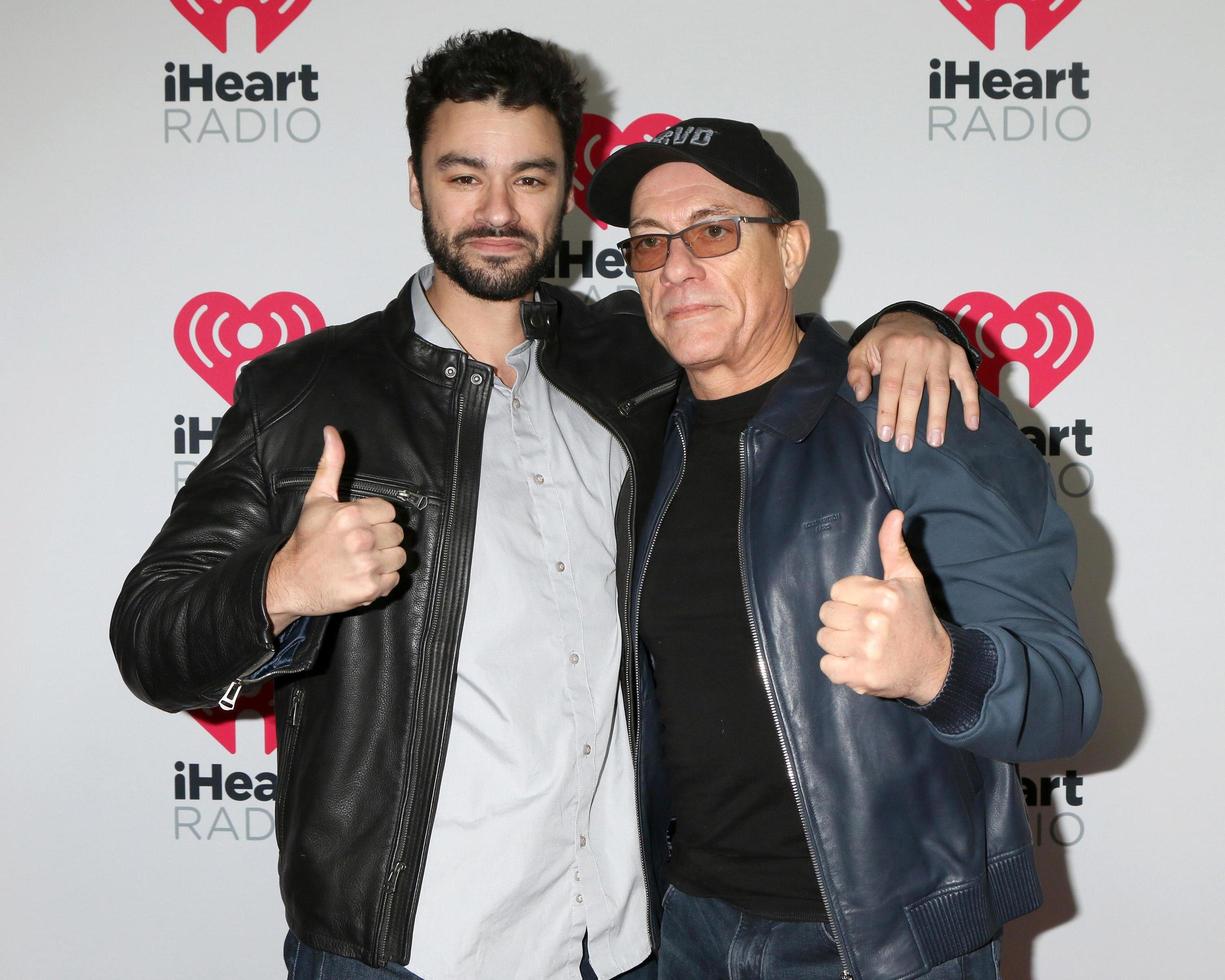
629, 404
772, 698
401, 833
371, 486
291, 742
632, 724
366, 485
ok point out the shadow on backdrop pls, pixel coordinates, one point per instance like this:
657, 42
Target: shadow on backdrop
1124, 709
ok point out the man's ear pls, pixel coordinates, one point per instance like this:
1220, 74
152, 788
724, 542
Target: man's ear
794, 241
569, 199
414, 188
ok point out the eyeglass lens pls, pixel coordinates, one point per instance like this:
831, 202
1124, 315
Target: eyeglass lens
706, 241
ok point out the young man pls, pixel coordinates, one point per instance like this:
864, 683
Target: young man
852, 812
441, 596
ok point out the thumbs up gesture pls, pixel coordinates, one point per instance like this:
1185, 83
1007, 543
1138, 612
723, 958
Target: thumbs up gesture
881, 636
341, 554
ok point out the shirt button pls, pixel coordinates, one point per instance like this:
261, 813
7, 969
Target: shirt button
561, 566
515, 403
579, 899
574, 658
539, 478
582, 840
578, 876
586, 750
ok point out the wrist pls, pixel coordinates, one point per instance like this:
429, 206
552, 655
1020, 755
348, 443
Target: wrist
279, 604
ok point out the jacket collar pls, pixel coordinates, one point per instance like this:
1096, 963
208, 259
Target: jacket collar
540, 320
799, 399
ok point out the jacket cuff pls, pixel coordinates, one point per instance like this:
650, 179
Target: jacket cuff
958, 706
939, 319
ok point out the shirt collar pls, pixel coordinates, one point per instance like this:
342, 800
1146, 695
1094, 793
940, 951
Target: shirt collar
430, 327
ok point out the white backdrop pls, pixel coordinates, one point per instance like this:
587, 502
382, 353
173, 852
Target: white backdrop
120, 208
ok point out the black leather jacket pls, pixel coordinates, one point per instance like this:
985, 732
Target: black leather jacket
913, 816
363, 700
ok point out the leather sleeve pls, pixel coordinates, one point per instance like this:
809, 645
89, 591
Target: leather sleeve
939, 319
999, 556
190, 619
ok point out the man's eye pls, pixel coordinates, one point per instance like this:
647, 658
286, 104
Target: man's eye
715, 231
647, 243
531, 181
465, 179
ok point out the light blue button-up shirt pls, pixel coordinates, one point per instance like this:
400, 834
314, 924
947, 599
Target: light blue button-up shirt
535, 841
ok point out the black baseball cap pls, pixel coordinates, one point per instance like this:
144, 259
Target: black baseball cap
735, 152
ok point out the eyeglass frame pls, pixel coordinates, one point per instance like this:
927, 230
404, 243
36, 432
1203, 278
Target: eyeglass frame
668, 237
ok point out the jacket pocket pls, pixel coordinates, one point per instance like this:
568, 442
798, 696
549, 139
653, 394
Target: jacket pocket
357, 486
285, 756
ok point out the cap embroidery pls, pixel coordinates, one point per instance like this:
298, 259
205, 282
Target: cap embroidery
679, 135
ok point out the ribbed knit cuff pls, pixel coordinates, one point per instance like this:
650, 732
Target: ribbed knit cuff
956, 709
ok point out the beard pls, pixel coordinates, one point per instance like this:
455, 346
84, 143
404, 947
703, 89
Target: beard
497, 278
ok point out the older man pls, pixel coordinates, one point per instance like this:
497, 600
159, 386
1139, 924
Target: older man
852, 813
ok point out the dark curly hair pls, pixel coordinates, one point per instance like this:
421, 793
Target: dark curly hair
517, 70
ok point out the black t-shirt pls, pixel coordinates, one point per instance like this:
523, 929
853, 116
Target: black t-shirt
738, 834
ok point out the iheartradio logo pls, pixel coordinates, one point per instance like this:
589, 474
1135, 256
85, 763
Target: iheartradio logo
1050, 333
597, 139
210, 17
223, 725
217, 334
1041, 17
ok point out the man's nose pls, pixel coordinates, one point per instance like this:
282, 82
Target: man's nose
680, 265
496, 207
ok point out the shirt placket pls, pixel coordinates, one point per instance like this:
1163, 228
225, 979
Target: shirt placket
542, 471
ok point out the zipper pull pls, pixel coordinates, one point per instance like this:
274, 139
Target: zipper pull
230, 698
846, 975
417, 500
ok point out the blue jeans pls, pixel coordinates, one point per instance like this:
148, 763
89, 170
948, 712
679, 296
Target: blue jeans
307, 963
707, 939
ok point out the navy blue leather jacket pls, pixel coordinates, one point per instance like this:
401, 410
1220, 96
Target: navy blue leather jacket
913, 815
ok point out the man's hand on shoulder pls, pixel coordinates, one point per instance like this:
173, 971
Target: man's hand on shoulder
341, 555
881, 636
907, 351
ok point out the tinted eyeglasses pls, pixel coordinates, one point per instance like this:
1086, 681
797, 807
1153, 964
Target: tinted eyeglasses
705, 240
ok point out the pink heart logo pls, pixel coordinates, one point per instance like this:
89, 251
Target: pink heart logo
223, 725
209, 17
217, 334
1050, 333
1041, 17
597, 139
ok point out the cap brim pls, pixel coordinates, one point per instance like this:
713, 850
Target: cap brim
612, 186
